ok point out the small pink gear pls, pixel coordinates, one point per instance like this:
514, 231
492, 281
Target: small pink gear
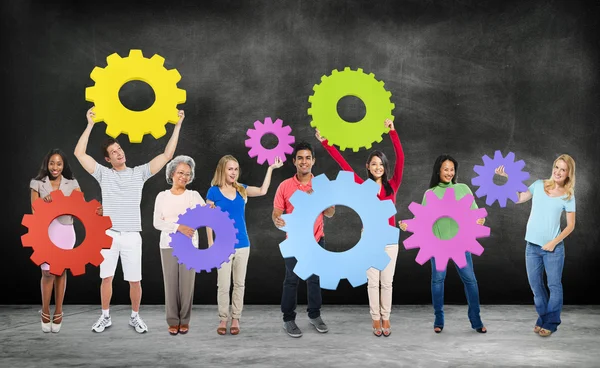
443, 250
283, 145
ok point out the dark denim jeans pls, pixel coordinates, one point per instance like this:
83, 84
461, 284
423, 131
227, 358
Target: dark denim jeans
467, 275
289, 297
547, 305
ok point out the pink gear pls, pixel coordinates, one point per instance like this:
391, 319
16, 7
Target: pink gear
443, 250
283, 145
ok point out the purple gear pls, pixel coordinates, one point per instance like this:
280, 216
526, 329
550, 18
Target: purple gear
485, 180
283, 145
219, 252
444, 250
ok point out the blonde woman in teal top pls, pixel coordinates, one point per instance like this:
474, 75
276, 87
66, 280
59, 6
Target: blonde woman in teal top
444, 175
545, 249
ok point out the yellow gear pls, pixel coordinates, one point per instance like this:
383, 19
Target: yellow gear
119, 119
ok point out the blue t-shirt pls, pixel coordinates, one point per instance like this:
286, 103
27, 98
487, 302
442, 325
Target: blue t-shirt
236, 210
544, 219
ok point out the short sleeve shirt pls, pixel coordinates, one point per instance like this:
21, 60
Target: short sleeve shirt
544, 220
122, 194
236, 209
282, 201
44, 187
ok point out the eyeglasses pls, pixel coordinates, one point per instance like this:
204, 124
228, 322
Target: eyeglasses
181, 173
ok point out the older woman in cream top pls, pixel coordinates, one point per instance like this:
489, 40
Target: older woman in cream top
179, 281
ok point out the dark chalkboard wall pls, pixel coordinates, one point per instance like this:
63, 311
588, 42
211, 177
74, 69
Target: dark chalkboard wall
467, 78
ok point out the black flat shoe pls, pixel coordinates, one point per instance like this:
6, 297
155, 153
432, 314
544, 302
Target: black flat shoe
435, 329
481, 330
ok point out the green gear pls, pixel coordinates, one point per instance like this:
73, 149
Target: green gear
350, 83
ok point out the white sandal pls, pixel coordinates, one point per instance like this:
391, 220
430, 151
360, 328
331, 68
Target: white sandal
56, 326
46, 327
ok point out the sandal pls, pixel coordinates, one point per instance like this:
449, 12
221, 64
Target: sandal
183, 329
545, 333
234, 330
377, 331
387, 331
537, 329
438, 329
173, 330
55, 327
222, 330
46, 326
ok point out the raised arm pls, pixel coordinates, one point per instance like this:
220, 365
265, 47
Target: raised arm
396, 179
86, 161
523, 196
161, 160
337, 156
264, 188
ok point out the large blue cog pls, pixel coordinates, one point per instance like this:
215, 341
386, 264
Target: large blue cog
352, 264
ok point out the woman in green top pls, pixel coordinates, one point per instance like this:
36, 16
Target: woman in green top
443, 177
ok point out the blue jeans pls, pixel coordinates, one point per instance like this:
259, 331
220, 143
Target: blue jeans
289, 297
548, 306
467, 275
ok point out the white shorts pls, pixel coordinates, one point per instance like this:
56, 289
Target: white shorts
127, 245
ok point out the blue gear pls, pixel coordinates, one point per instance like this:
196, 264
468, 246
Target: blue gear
352, 264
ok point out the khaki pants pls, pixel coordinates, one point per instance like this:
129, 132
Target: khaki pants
236, 267
380, 298
179, 289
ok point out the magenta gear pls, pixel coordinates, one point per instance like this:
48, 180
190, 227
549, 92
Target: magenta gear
443, 250
219, 252
485, 180
277, 129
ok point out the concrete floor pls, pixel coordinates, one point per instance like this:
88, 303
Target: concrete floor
263, 343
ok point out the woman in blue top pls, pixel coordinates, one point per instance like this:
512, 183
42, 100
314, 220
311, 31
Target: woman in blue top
229, 195
545, 248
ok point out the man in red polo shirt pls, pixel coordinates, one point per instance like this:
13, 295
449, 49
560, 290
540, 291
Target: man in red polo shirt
303, 158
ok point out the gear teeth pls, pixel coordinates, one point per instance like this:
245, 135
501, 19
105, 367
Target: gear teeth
78, 270
97, 74
378, 140
135, 137
136, 54
359, 70
113, 59
180, 96
334, 71
28, 220
279, 124
347, 69
423, 257
268, 122
158, 61
96, 259
113, 131
36, 258
303, 271
172, 75
158, 131
329, 284
27, 240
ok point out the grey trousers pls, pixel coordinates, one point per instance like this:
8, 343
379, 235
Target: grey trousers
179, 289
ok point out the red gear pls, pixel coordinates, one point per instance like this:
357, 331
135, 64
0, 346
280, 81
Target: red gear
60, 259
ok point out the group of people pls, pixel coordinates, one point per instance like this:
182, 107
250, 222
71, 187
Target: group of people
121, 188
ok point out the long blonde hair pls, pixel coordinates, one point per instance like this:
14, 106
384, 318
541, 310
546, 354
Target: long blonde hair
219, 179
569, 181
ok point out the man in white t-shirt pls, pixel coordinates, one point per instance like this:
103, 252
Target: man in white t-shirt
121, 196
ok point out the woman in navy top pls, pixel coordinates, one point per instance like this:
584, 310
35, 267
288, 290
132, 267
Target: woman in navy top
229, 195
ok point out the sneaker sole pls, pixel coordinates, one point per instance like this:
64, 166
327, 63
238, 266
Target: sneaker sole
105, 327
318, 330
136, 330
293, 335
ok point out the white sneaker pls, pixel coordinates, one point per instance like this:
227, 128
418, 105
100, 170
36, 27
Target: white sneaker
101, 324
138, 324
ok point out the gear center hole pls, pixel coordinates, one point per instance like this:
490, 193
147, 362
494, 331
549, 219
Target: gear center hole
445, 228
343, 229
66, 236
137, 95
202, 240
269, 141
351, 109
499, 180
